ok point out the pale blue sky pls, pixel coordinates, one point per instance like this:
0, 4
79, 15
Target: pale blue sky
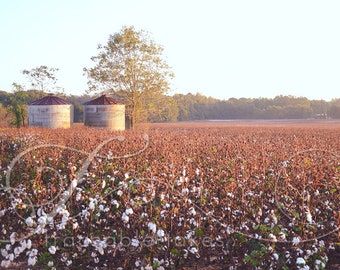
219, 48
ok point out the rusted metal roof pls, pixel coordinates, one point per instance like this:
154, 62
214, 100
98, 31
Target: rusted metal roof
50, 100
103, 100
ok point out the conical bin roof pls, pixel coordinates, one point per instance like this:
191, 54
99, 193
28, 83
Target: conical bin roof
103, 100
50, 100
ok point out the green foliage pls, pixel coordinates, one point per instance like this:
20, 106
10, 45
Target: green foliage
17, 107
42, 78
44, 259
257, 251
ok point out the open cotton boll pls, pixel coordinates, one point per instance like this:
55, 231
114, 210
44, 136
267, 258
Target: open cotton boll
125, 218
52, 249
29, 221
129, 211
152, 227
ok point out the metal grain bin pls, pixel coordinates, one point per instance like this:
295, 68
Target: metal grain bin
104, 112
50, 111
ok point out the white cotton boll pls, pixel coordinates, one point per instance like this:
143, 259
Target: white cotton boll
230, 195
152, 227
78, 196
115, 203
23, 245
91, 205
29, 221
129, 211
192, 211
4, 252
119, 193
42, 220
74, 183
18, 250
50, 220
32, 253
87, 241
39, 212
319, 264
52, 249
29, 244
193, 250
125, 218
309, 217
160, 233
272, 237
50, 264
274, 220
103, 184
32, 260
12, 237
282, 236
100, 250
75, 225
296, 240
162, 196
276, 256
135, 242
5, 263
300, 261
10, 257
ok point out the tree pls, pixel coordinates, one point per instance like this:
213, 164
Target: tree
167, 110
131, 64
42, 78
18, 106
334, 110
3, 116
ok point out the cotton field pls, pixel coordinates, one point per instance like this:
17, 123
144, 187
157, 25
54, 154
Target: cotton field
170, 197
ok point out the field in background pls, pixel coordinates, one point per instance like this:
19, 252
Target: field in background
242, 194
314, 123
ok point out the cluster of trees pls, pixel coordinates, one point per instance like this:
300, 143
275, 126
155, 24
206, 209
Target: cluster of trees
131, 68
13, 106
188, 107
199, 107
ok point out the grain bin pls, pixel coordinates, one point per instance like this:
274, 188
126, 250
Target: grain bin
50, 111
104, 112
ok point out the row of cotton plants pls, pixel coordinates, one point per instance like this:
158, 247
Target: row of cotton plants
170, 198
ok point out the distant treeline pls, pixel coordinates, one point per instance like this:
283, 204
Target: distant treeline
199, 107
180, 107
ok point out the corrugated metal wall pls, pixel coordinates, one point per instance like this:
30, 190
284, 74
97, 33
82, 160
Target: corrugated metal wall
106, 116
52, 116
